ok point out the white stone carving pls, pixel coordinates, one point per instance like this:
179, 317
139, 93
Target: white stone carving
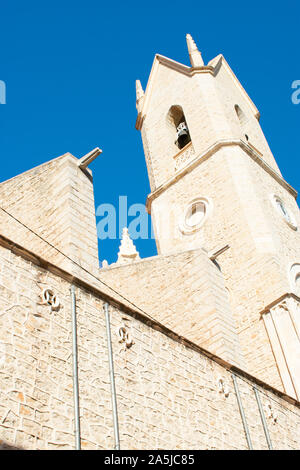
282, 322
127, 251
184, 156
194, 53
140, 95
271, 414
51, 299
223, 387
125, 336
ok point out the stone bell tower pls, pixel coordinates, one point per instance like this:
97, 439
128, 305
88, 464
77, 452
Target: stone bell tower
215, 185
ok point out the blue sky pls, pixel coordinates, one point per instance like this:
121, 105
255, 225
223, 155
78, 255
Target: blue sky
70, 69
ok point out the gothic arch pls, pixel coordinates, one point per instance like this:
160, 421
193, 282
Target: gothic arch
177, 123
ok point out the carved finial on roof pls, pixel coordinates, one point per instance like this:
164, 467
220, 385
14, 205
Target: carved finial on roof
194, 53
139, 95
127, 252
139, 90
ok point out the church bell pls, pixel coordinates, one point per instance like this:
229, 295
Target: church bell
183, 135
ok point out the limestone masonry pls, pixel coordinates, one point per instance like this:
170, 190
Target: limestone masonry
205, 336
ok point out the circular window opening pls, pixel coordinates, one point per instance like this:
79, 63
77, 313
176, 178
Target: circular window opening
285, 213
295, 278
195, 214
283, 209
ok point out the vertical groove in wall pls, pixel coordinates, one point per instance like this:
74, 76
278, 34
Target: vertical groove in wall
242, 413
75, 371
263, 419
112, 379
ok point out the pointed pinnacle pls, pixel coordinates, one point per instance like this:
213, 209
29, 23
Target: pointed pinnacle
139, 90
139, 95
194, 53
127, 250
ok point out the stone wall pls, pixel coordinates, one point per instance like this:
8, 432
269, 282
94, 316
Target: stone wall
208, 99
56, 201
262, 245
167, 388
186, 293
230, 165
230, 94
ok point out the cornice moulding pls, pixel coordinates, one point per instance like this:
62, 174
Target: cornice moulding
251, 151
279, 300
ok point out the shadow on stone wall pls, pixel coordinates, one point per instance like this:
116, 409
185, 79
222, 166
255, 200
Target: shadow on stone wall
5, 446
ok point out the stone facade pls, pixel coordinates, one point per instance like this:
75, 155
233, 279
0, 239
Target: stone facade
186, 285
283, 326
56, 201
232, 170
212, 318
162, 380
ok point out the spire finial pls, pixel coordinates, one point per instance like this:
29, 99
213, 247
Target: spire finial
139, 95
139, 90
127, 251
194, 53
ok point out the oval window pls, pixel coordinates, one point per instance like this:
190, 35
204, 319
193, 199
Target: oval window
295, 278
283, 209
284, 212
195, 214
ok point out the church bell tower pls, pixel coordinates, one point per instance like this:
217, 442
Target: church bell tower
215, 185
